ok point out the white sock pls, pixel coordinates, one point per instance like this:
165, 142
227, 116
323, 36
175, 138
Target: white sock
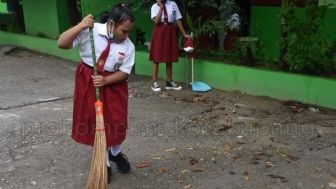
115, 150
107, 160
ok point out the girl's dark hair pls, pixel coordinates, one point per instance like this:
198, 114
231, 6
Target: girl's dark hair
120, 13
103, 16
162, 1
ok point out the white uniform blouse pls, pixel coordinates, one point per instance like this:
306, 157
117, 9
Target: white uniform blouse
121, 55
173, 11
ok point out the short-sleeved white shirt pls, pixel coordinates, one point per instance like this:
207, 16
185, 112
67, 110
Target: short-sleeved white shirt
121, 56
173, 11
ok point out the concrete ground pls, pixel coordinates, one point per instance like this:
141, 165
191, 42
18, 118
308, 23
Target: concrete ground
176, 139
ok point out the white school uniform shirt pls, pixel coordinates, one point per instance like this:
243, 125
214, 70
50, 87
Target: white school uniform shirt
121, 56
173, 11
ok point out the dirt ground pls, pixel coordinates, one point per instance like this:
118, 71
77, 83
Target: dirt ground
176, 139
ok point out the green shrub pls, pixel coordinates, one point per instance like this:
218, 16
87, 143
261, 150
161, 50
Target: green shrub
308, 50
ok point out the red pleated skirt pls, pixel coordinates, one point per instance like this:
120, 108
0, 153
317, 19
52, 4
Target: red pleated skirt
115, 104
164, 44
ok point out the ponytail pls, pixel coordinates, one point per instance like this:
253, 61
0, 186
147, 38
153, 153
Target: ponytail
120, 13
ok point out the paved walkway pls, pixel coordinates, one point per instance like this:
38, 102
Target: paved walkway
218, 139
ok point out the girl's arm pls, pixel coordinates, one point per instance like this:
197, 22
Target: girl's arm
100, 81
157, 18
66, 38
180, 26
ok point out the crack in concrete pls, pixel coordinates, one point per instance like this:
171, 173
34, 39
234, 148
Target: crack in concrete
37, 102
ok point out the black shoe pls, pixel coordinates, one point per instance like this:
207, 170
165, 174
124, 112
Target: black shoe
122, 162
171, 85
109, 174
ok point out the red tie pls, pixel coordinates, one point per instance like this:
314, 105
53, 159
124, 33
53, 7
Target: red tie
103, 56
165, 15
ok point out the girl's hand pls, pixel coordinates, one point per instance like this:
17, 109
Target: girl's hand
87, 22
98, 81
187, 36
159, 3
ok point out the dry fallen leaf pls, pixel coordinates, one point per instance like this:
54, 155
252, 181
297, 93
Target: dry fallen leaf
142, 165
236, 157
256, 124
180, 174
293, 158
159, 158
296, 109
182, 156
224, 127
247, 175
270, 163
163, 170
171, 149
259, 152
333, 180
192, 161
184, 171
227, 149
188, 186
332, 184
164, 94
199, 170
283, 179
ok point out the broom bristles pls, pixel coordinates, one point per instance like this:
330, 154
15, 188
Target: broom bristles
98, 171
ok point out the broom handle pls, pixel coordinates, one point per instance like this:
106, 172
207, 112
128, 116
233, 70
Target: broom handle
192, 62
94, 62
192, 70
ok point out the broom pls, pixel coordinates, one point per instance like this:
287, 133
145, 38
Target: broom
98, 172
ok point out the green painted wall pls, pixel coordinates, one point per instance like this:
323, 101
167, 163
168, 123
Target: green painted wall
45, 18
265, 24
284, 86
95, 7
306, 89
144, 23
64, 21
43, 45
3, 7
330, 23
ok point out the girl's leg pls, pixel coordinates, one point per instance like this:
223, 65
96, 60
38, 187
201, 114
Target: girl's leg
155, 85
115, 150
169, 71
115, 155
155, 71
112, 153
170, 84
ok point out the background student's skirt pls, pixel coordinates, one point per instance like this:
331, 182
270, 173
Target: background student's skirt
115, 100
164, 44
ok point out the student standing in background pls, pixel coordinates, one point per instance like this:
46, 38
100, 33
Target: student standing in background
164, 47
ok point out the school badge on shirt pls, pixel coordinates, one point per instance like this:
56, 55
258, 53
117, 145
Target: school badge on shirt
174, 14
121, 57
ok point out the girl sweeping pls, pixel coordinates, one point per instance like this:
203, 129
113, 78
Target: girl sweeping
116, 59
164, 40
